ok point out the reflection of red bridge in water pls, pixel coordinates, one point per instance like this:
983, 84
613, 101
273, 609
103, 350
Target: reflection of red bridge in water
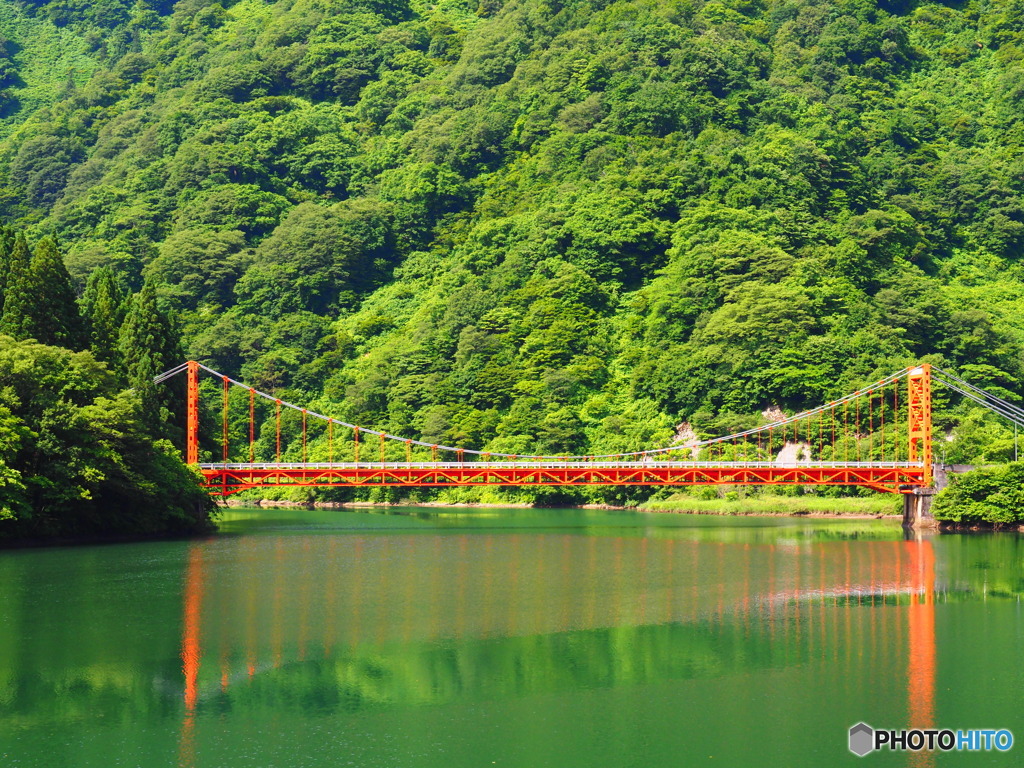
878, 437
329, 597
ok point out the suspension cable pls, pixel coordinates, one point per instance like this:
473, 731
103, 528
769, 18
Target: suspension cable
1005, 404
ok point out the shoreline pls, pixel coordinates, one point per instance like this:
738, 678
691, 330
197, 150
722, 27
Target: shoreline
764, 507
817, 514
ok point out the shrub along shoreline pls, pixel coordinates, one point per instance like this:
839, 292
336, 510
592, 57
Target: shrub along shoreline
881, 505
986, 498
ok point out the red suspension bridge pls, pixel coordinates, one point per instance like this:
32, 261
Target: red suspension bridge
877, 437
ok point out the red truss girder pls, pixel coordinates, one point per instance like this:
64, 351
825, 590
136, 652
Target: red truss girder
225, 481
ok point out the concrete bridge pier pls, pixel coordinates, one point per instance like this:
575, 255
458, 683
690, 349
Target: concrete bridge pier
917, 508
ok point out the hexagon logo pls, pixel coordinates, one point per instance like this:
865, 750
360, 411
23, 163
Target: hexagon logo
862, 739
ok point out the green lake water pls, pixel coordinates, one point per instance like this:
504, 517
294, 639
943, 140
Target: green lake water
508, 637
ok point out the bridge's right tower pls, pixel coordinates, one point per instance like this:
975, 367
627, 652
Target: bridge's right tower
919, 386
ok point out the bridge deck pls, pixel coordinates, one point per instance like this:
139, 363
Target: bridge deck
893, 477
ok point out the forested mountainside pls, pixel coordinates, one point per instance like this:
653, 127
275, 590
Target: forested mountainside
536, 226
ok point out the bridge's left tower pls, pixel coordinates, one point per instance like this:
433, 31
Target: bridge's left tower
192, 414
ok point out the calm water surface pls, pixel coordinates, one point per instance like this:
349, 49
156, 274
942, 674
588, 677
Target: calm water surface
519, 638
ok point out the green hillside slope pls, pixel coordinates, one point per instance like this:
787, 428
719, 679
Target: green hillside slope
543, 226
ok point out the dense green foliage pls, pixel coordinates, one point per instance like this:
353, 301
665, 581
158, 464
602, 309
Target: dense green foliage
545, 226
41, 302
989, 496
104, 305
76, 457
83, 448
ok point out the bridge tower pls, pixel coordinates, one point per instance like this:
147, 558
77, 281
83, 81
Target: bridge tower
917, 505
192, 415
919, 384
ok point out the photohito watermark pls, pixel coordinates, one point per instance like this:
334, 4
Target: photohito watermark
864, 739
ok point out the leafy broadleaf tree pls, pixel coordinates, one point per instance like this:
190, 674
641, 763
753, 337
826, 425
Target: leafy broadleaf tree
76, 458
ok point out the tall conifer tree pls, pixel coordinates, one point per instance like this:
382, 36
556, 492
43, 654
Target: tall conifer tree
149, 344
104, 308
17, 295
49, 311
6, 246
